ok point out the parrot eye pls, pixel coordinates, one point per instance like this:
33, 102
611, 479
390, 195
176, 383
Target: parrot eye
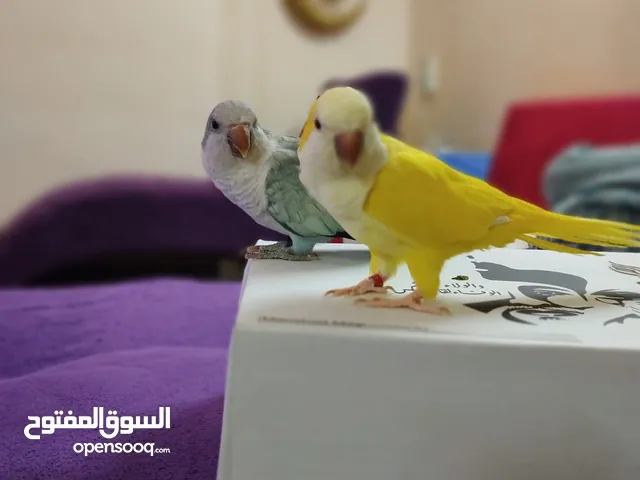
317, 124
215, 125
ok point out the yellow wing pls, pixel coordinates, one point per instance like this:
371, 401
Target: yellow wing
429, 203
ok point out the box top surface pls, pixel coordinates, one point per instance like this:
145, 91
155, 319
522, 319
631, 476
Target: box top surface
502, 295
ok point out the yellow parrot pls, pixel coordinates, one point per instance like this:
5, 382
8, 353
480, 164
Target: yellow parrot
409, 207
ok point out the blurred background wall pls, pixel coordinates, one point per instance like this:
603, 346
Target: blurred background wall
492, 52
90, 87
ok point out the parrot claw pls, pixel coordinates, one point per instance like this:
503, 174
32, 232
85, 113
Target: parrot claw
277, 251
365, 286
412, 301
254, 249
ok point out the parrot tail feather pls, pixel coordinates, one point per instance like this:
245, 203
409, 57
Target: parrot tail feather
557, 247
589, 231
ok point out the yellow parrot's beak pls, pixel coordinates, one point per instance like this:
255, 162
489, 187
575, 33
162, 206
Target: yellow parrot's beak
239, 139
349, 146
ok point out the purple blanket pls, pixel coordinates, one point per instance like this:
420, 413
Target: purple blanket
122, 215
130, 346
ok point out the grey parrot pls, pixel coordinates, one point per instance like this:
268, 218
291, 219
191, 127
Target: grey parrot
259, 172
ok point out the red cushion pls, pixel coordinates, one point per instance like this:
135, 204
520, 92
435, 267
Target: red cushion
535, 131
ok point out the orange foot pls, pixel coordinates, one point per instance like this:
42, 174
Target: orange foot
366, 286
412, 301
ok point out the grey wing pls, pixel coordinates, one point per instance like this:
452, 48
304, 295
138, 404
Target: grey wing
290, 204
287, 142
284, 142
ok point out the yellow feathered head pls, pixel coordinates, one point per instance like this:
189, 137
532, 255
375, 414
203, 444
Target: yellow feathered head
339, 121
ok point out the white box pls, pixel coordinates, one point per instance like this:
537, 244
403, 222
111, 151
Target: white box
321, 389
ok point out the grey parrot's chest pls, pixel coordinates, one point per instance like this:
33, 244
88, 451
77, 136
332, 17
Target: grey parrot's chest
265, 219
249, 195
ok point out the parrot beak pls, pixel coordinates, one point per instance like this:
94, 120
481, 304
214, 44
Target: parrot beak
239, 139
349, 146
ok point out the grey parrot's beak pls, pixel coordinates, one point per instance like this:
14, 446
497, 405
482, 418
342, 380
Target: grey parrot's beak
349, 146
239, 139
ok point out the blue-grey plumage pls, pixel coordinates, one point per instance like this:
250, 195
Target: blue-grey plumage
259, 172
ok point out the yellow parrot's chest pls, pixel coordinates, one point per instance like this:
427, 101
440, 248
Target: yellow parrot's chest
345, 200
376, 236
